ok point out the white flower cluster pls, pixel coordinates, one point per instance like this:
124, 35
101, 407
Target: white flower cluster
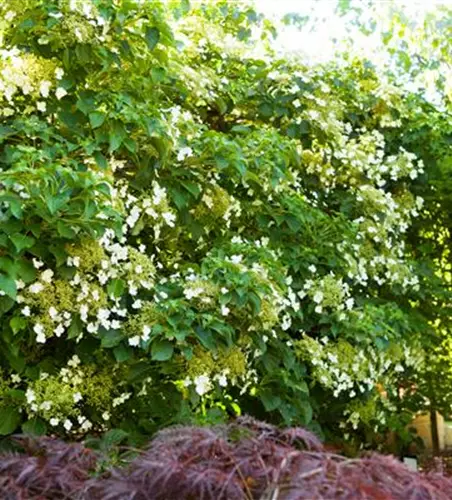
51, 410
27, 75
344, 369
205, 383
154, 205
328, 293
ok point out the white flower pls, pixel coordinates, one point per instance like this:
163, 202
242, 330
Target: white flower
15, 378
169, 218
184, 153
60, 93
312, 268
224, 290
86, 425
59, 72
74, 361
222, 380
36, 287
53, 313
67, 425
318, 297
318, 309
106, 415
84, 313
10, 15
92, 327
332, 357
46, 405
44, 88
103, 314
54, 422
225, 310
77, 397
19, 284
137, 304
47, 275
349, 303
26, 311
236, 259
134, 341
37, 263
30, 395
42, 106
202, 384
59, 330
286, 323
146, 332
40, 336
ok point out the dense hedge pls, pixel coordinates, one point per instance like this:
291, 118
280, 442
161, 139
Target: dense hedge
192, 227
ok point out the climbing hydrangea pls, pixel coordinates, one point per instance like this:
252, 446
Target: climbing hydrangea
191, 224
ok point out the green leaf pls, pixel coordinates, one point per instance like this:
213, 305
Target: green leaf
152, 37
192, 188
8, 266
75, 329
58, 251
265, 110
22, 241
158, 74
17, 324
5, 131
116, 288
35, 427
113, 437
9, 420
307, 411
8, 285
162, 350
97, 119
111, 338
116, 136
206, 338
16, 395
26, 271
122, 353
269, 400
130, 144
65, 231
100, 160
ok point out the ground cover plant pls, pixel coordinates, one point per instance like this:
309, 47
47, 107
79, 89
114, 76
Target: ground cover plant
193, 227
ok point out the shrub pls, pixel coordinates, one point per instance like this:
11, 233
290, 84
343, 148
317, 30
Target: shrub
191, 228
245, 459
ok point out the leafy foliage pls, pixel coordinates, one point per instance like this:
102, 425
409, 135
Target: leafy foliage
193, 227
245, 459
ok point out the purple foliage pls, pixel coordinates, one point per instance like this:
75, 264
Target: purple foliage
246, 459
47, 468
